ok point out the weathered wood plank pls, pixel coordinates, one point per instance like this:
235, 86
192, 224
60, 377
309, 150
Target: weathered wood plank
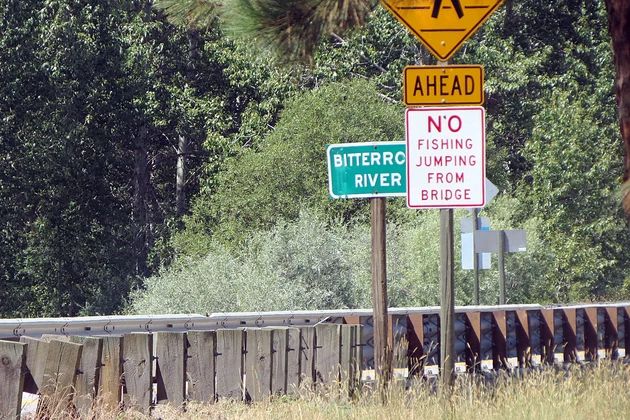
346, 352
109, 388
229, 364
307, 356
293, 359
354, 379
258, 363
327, 358
12, 368
89, 369
358, 354
138, 372
36, 353
171, 368
60, 337
280, 340
202, 347
60, 373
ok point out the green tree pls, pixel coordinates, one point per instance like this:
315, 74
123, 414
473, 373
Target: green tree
257, 188
101, 104
68, 244
574, 182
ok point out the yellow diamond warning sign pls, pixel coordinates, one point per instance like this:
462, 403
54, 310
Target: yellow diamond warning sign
442, 25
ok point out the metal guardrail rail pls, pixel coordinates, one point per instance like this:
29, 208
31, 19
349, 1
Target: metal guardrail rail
488, 336
114, 324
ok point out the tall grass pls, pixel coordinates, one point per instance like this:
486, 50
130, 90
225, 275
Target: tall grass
599, 391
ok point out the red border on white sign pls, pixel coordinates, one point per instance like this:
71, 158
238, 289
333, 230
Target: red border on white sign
446, 157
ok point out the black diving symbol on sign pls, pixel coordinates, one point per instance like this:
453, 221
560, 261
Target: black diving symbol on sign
456, 4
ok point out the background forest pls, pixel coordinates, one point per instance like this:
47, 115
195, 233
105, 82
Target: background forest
148, 167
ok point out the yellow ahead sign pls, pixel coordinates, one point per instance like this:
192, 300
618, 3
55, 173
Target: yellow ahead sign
442, 25
443, 85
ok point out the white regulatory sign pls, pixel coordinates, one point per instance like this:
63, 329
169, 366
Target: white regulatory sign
446, 157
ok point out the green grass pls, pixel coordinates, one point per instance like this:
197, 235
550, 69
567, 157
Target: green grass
599, 391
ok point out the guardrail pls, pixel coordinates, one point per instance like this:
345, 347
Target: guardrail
488, 338
114, 324
493, 336
70, 373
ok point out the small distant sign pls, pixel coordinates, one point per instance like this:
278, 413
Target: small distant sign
443, 85
488, 240
468, 254
360, 170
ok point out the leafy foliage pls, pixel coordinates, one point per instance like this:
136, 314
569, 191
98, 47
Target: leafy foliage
301, 265
96, 100
258, 188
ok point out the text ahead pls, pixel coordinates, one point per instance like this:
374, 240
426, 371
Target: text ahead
443, 85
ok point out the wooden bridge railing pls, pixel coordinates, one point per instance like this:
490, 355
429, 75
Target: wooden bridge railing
141, 369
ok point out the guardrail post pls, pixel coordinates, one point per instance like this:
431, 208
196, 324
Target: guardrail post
170, 372
279, 360
293, 360
553, 335
229, 364
622, 329
431, 344
590, 333
307, 356
12, 368
327, 358
612, 334
87, 381
202, 349
258, 363
415, 339
505, 341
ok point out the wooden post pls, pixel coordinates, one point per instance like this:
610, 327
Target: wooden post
12, 369
382, 351
201, 368
258, 363
307, 356
501, 267
109, 389
447, 298
279, 342
36, 352
60, 374
87, 380
229, 364
171, 368
447, 301
293, 359
138, 371
327, 356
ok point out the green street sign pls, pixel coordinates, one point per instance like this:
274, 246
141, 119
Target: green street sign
360, 170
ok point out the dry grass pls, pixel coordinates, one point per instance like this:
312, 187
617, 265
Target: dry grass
598, 391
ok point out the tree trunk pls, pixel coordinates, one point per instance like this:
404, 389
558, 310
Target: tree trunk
180, 183
619, 26
183, 141
140, 208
